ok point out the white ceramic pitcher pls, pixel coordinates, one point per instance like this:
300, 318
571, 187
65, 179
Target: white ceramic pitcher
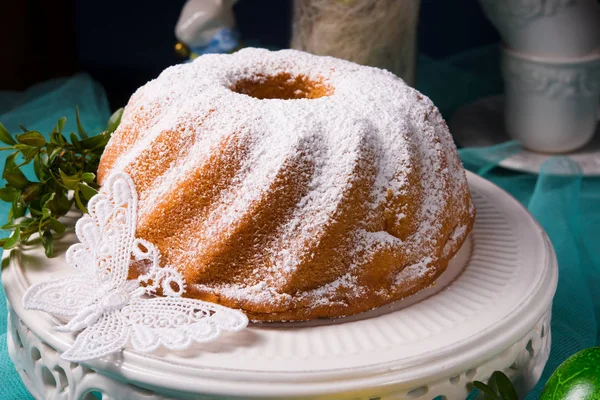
549, 28
551, 106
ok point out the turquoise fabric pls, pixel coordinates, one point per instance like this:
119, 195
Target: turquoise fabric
568, 208
39, 108
566, 204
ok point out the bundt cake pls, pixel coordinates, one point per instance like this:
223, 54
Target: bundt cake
292, 186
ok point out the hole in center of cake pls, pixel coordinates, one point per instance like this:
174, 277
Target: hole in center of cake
283, 86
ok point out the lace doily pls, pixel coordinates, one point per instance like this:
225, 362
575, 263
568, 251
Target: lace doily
109, 311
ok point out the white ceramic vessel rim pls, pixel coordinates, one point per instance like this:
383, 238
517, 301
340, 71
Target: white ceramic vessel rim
481, 124
591, 57
152, 370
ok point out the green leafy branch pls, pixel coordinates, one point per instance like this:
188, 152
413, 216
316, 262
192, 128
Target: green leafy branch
65, 168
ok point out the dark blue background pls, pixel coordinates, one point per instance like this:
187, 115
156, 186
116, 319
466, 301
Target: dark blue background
125, 43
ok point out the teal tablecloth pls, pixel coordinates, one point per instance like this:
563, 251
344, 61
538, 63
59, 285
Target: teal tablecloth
567, 206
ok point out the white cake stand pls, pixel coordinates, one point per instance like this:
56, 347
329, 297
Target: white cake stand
489, 311
481, 124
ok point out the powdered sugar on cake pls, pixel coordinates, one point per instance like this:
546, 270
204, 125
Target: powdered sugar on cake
369, 121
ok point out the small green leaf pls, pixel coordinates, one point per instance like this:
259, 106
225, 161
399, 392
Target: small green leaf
56, 225
493, 384
35, 212
18, 209
60, 125
80, 129
59, 205
32, 138
10, 165
44, 156
87, 191
37, 166
46, 198
13, 175
13, 240
48, 243
46, 212
98, 141
88, 177
16, 179
114, 120
70, 182
24, 221
504, 385
8, 194
35, 207
5, 136
46, 201
54, 153
27, 151
55, 138
75, 141
488, 393
19, 222
78, 201
32, 191
15, 223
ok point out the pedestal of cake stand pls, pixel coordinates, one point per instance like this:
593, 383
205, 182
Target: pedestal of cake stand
481, 124
489, 311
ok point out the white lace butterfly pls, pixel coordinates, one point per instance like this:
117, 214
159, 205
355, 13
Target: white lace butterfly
111, 311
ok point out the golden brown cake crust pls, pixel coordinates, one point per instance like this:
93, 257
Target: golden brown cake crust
293, 186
